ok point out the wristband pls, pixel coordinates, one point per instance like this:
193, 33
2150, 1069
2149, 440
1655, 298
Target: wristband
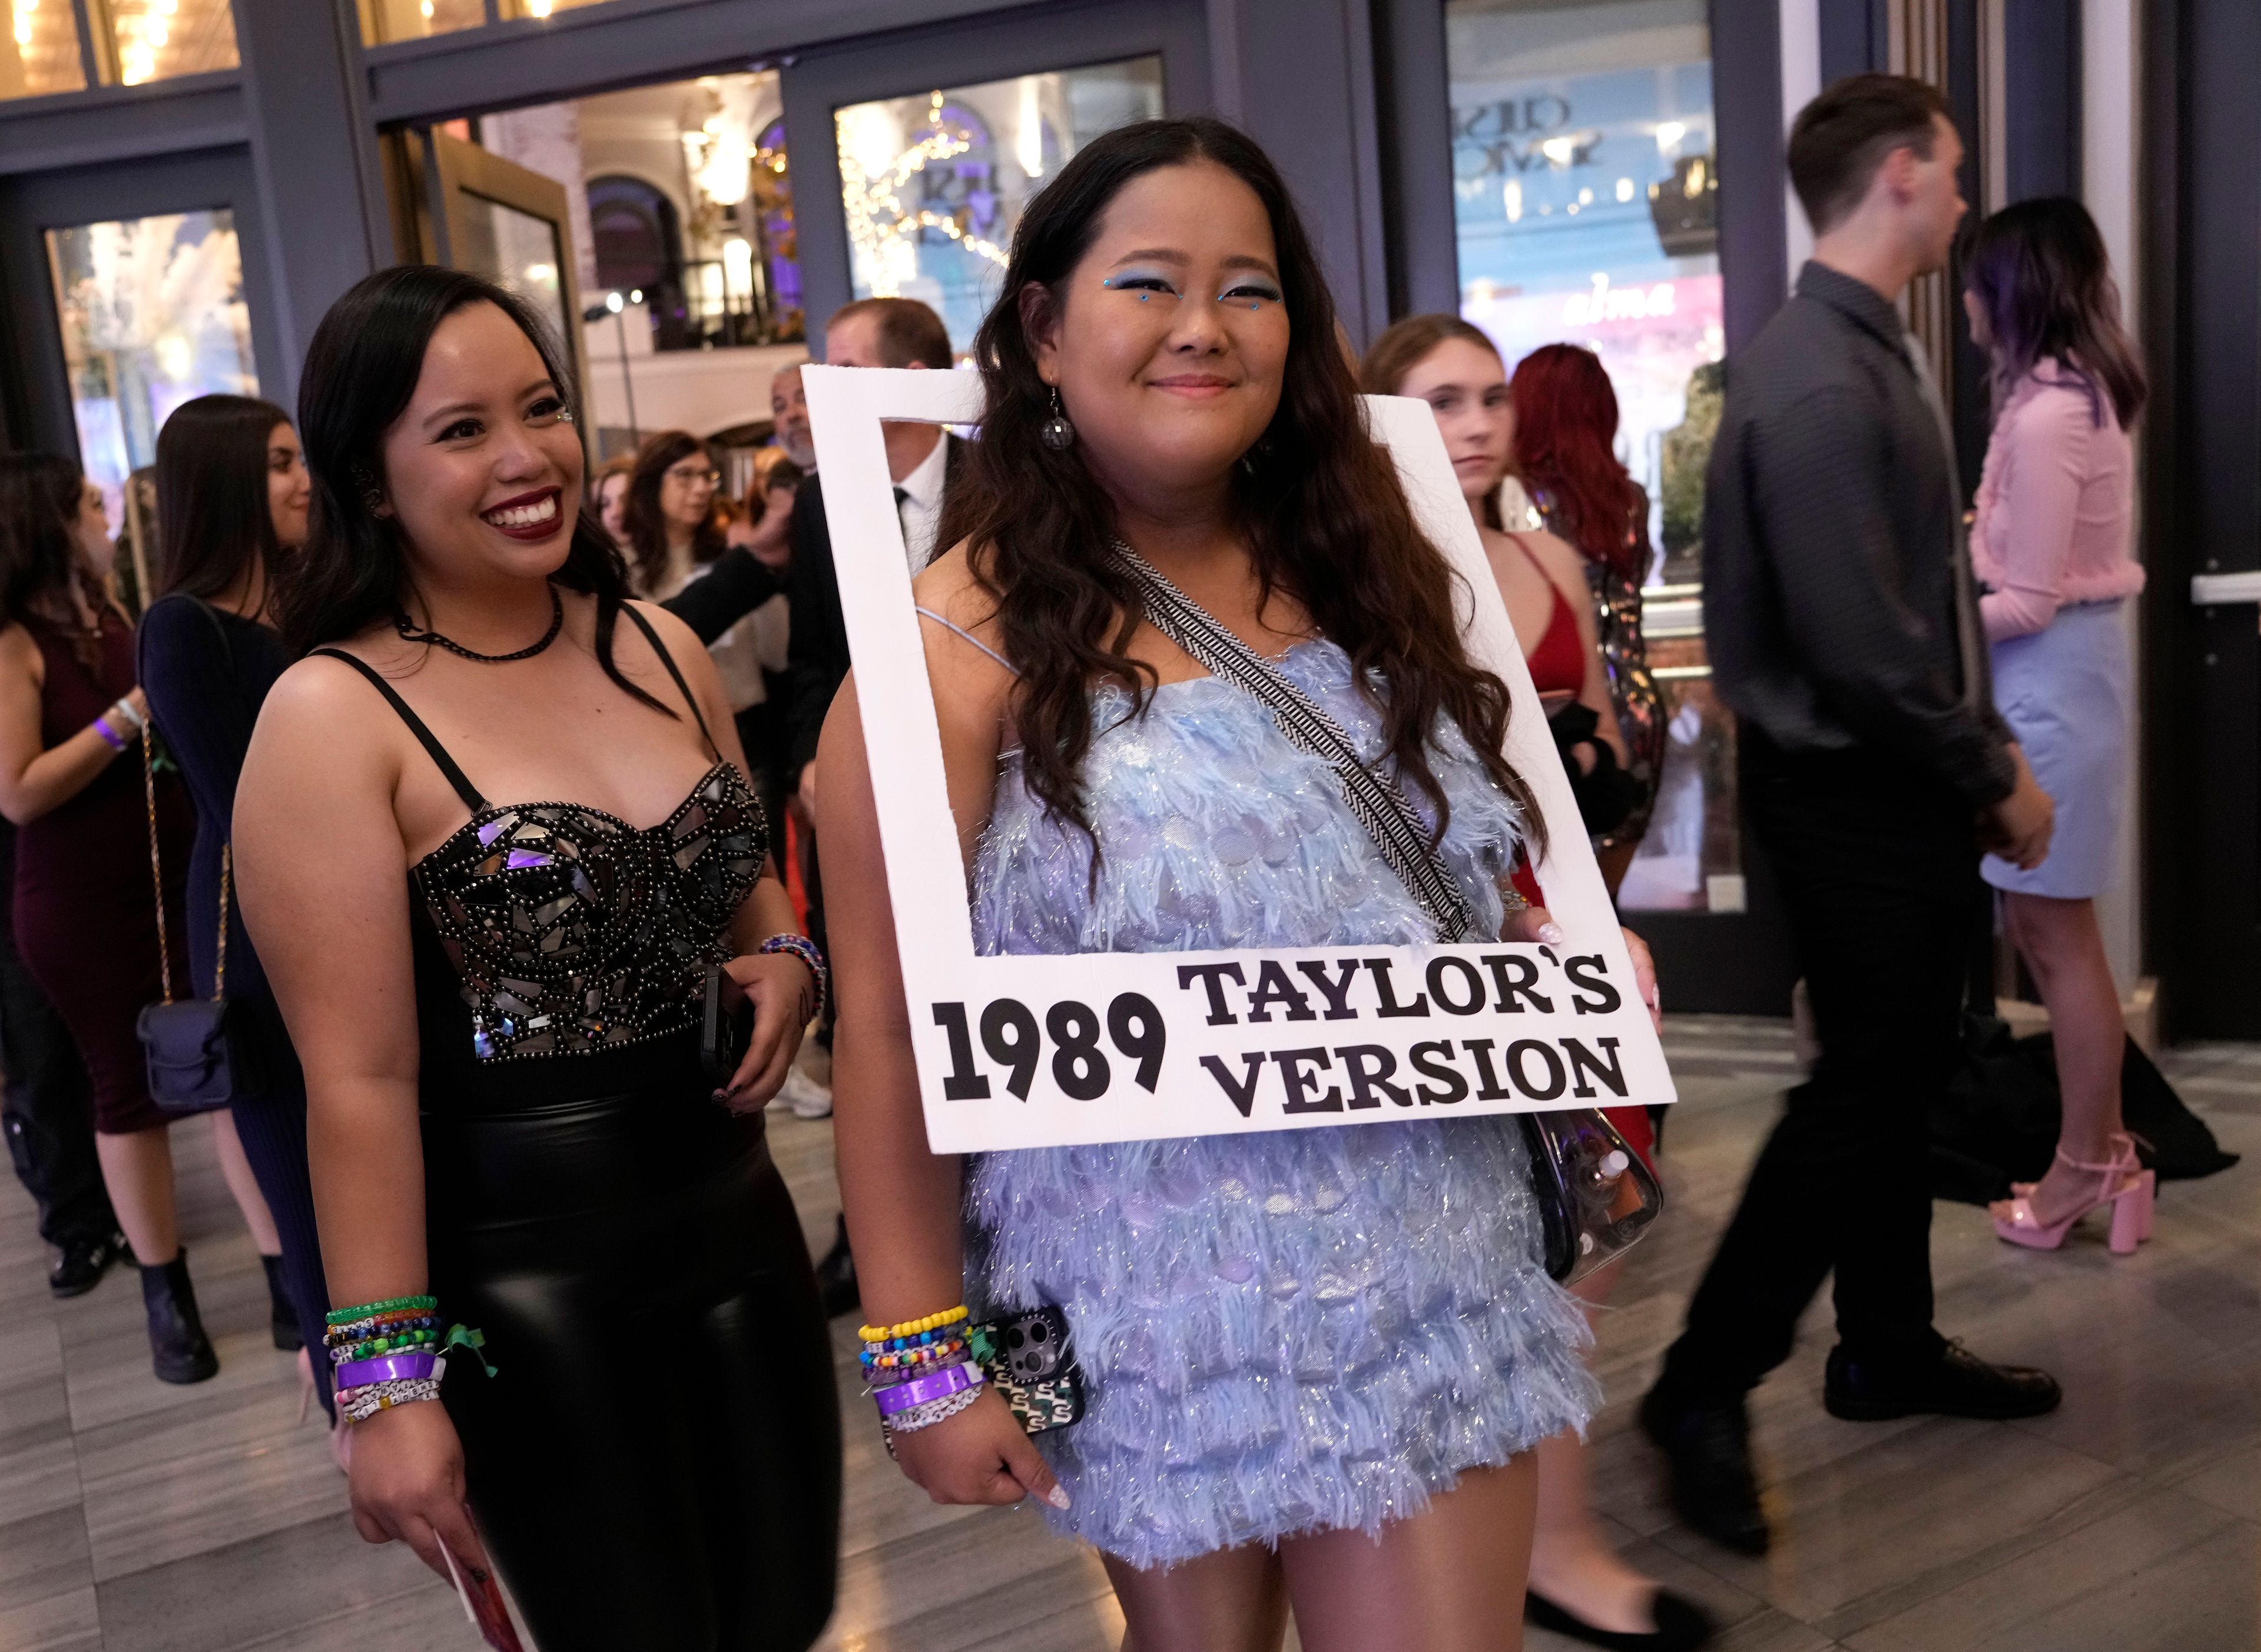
110, 737
954, 1379
804, 949
384, 1366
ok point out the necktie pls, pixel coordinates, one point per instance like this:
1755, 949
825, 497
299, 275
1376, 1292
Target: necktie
1970, 642
910, 551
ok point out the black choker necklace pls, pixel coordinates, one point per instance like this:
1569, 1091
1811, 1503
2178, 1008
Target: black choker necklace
410, 634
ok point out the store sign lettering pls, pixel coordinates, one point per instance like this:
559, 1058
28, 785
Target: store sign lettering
1521, 134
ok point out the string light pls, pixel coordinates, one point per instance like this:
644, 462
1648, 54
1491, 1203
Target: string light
879, 225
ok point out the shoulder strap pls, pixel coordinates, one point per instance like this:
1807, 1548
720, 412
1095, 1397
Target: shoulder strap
947, 625
1379, 802
668, 660
425, 737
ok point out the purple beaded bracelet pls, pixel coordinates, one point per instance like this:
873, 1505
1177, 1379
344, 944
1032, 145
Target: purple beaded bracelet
954, 1379
404, 1367
806, 950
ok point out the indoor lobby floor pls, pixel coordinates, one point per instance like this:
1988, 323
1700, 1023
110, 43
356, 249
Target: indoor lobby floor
139, 1517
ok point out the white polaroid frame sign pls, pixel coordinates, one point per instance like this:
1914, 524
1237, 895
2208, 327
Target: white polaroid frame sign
1039, 1051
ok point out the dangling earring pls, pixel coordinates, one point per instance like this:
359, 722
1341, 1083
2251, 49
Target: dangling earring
1056, 434
372, 497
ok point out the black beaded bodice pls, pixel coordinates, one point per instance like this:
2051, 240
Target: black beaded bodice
568, 930
572, 931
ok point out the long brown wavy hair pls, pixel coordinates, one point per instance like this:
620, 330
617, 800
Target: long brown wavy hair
647, 524
1317, 501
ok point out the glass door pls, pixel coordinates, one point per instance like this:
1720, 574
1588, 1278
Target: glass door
129, 291
931, 145
1586, 212
461, 205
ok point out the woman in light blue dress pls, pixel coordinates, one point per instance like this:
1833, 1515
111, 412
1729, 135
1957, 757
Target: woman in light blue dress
1316, 1361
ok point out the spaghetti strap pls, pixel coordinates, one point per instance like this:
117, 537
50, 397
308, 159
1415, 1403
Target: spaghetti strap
430, 741
668, 660
969, 636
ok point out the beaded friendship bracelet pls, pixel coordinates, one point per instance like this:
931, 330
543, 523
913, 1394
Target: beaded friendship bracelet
806, 950
932, 1412
390, 1304
913, 1328
933, 1353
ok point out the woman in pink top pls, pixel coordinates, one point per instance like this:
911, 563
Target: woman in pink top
2051, 543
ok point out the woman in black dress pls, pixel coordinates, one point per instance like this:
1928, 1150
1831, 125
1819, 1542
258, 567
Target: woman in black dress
232, 498
498, 1004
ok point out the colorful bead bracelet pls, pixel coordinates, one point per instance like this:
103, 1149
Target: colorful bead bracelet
913, 1328
929, 1354
390, 1305
806, 950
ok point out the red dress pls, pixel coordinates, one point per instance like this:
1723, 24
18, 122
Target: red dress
86, 918
1557, 666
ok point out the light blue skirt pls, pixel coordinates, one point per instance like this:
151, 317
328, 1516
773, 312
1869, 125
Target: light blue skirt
2066, 693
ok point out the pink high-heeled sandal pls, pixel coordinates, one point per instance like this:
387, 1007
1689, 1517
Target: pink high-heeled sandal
2126, 1189
2124, 1158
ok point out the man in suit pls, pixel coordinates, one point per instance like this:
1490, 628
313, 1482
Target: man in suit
900, 333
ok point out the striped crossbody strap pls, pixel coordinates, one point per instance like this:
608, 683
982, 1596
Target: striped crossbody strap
1380, 804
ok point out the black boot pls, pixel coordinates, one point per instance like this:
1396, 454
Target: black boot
836, 1277
83, 1262
178, 1347
282, 1318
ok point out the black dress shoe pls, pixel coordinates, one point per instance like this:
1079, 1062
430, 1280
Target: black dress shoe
84, 1262
1681, 1625
1708, 1449
178, 1347
836, 1277
1957, 1383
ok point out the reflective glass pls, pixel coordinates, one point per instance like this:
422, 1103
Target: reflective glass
933, 184
39, 54
1586, 207
387, 20
517, 249
153, 315
160, 38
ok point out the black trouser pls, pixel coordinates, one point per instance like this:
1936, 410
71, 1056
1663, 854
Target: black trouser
47, 1110
1878, 871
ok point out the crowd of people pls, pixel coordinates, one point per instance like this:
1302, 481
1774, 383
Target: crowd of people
466, 775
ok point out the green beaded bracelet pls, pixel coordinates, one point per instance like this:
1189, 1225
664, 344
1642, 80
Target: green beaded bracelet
347, 1316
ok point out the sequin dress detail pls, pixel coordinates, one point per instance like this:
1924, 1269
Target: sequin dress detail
1293, 1331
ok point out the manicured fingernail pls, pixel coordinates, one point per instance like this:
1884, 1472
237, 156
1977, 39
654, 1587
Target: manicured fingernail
1057, 1497
1551, 933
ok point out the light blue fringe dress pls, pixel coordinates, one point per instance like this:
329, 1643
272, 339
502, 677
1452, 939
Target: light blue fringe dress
1288, 1332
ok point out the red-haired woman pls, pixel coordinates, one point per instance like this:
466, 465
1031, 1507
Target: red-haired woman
1565, 454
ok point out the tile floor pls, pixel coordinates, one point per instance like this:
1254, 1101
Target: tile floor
138, 1518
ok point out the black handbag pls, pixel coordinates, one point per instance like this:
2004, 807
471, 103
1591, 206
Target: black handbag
201, 1053
1596, 1197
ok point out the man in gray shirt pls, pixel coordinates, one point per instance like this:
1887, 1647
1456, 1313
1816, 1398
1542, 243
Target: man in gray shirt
1844, 632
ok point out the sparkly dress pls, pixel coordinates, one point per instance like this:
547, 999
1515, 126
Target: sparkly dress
1287, 1332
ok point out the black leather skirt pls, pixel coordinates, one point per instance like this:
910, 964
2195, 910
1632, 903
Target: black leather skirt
657, 1462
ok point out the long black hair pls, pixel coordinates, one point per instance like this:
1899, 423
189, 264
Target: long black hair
40, 497
647, 524
1318, 500
213, 515
2040, 272
360, 373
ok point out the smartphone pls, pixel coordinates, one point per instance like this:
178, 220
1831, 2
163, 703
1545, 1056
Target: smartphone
726, 1028
1030, 1359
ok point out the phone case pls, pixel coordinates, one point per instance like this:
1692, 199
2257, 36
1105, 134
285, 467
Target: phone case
726, 1029
1031, 1358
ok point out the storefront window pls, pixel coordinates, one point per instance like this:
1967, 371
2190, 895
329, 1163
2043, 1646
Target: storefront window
933, 185
160, 38
1586, 196
383, 21
40, 53
153, 315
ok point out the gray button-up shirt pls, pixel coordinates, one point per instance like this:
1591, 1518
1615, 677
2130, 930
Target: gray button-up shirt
1838, 605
